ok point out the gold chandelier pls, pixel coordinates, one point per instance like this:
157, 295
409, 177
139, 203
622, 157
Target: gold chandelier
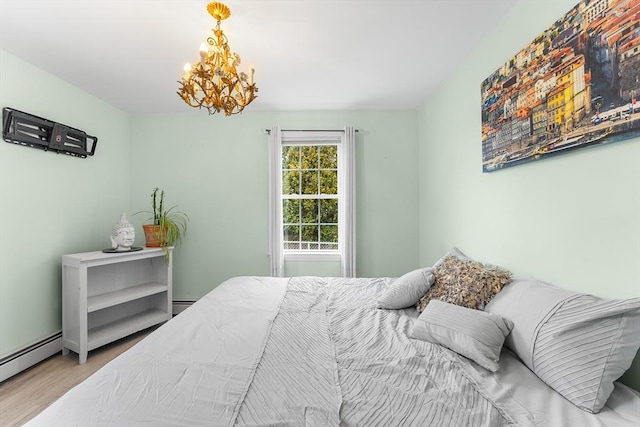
214, 83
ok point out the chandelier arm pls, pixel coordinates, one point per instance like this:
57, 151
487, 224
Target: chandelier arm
189, 97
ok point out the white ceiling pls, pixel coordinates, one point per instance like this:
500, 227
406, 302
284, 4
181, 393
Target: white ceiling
308, 54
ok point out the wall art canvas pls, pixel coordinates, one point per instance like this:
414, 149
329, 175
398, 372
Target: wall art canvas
574, 86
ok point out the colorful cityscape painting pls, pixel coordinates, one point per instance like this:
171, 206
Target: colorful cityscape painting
573, 86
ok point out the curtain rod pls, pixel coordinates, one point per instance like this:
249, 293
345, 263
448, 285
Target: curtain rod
268, 131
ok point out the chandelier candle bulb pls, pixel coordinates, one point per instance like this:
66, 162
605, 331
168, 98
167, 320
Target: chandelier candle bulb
214, 83
187, 71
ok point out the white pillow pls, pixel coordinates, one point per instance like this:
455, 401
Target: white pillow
455, 252
578, 344
471, 333
407, 290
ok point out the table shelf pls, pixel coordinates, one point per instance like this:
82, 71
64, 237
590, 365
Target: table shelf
98, 302
107, 296
104, 334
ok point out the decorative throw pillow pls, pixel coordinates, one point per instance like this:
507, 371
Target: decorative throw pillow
464, 282
474, 334
407, 290
578, 344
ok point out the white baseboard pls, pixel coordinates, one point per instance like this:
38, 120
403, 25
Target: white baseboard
31, 354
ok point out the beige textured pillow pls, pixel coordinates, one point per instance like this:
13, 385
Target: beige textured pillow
465, 282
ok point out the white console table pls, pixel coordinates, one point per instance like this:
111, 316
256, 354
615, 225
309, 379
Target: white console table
107, 296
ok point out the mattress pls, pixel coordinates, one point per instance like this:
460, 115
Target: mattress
309, 351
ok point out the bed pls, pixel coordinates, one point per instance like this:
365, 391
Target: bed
312, 351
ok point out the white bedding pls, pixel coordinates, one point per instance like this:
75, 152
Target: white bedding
317, 352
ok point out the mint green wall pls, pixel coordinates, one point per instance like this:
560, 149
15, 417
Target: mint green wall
295, 268
573, 220
215, 168
53, 204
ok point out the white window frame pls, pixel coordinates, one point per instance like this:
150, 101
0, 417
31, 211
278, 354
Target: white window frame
345, 141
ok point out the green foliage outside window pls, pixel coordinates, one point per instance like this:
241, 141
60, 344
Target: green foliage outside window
307, 171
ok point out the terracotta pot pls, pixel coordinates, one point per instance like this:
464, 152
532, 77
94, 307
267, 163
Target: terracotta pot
155, 237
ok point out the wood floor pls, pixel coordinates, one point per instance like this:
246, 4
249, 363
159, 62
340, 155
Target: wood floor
25, 395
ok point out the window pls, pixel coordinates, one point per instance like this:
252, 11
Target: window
311, 197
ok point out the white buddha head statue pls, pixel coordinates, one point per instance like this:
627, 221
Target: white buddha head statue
123, 234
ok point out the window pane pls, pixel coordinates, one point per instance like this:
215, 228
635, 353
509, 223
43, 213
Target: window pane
309, 182
291, 182
309, 156
291, 211
308, 171
309, 233
290, 157
329, 182
291, 233
309, 211
328, 156
329, 233
329, 211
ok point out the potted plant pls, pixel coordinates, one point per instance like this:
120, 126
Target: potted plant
167, 227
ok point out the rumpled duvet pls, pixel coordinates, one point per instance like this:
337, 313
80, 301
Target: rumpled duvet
333, 358
305, 351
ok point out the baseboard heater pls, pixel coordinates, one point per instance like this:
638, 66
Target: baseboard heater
26, 129
34, 353
29, 355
